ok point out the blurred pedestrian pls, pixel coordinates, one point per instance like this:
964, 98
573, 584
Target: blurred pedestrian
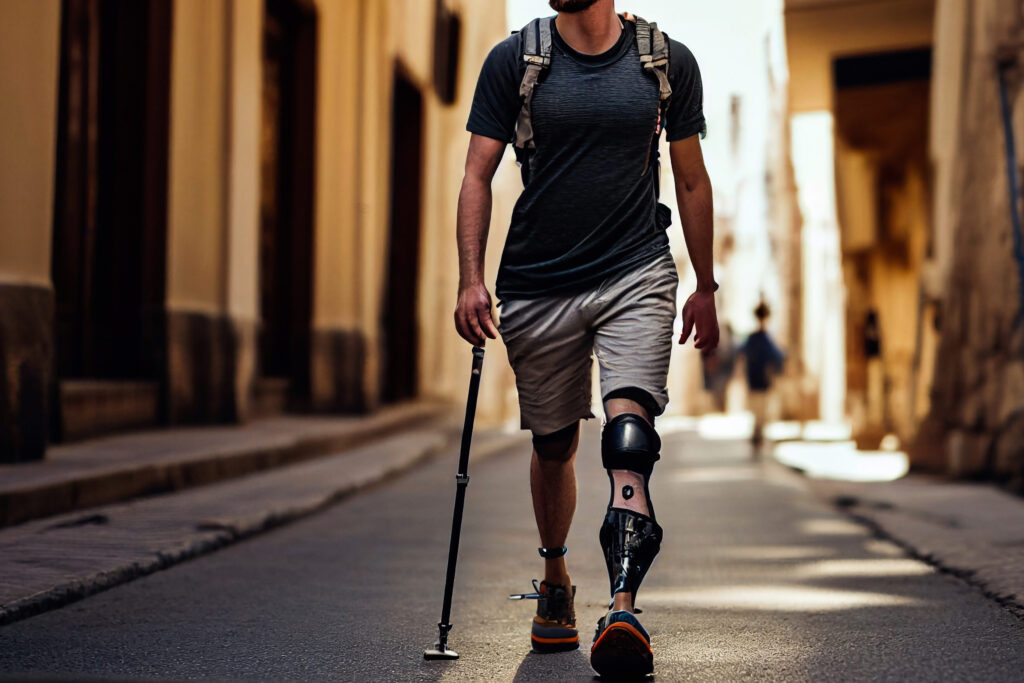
587, 267
763, 360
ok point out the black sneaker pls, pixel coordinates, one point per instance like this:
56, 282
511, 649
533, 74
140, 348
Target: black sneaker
622, 648
554, 627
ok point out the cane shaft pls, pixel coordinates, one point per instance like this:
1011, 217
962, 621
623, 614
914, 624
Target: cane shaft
462, 481
467, 426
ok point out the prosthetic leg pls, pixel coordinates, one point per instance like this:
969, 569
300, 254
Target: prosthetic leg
630, 540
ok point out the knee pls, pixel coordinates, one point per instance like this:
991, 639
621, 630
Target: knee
558, 446
629, 442
634, 400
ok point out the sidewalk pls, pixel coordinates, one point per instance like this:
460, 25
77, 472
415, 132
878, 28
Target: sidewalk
48, 563
112, 469
973, 531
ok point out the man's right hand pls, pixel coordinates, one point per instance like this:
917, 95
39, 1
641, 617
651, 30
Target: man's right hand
473, 314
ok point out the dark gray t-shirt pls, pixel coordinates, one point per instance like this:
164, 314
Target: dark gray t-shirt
588, 211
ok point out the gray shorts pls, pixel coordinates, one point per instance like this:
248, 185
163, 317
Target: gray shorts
626, 320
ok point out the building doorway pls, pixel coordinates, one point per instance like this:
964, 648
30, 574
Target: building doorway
882, 113
110, 208
286, 204
399, 324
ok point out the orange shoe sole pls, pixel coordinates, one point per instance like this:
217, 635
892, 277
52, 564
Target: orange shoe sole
546, 645
548, 636
621, 652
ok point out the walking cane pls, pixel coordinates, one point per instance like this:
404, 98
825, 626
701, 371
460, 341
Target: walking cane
440, 650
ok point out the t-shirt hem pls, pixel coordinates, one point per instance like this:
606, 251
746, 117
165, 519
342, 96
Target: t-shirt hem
641, 259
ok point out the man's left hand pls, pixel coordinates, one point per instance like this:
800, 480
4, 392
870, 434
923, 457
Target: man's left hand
699, 312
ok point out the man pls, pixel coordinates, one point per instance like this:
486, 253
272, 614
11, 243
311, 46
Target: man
763, 358
586, 267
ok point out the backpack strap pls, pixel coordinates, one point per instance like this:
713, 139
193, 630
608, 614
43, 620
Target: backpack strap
654, 56
537, 55
653, 48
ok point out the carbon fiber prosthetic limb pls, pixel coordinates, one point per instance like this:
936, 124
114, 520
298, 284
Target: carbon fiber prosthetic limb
630, 540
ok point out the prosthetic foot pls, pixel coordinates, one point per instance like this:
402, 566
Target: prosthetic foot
622, 647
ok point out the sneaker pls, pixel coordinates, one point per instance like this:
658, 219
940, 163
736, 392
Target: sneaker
622, 647
554, 627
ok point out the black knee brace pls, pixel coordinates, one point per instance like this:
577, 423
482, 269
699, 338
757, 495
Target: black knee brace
629, 539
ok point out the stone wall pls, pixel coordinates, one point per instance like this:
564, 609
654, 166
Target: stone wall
976, 424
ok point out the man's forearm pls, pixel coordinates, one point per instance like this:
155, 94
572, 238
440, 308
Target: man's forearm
474, 220
696, 211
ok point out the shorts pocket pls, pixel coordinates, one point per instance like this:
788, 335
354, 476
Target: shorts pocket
506, 315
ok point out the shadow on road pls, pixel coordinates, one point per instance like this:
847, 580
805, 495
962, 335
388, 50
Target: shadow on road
573, 666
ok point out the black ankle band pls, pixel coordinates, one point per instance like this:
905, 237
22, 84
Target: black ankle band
552, 553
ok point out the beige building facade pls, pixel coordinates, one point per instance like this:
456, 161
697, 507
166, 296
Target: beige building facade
29, 55
897, 115
214, 210
859, 84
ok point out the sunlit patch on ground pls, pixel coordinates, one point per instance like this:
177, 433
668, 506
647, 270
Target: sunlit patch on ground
773, 598
740, 425
871, 567
826, 431
783, 431
886, 548
675, 424
842, 461
719, 426
709, 474
774, 552
830, 527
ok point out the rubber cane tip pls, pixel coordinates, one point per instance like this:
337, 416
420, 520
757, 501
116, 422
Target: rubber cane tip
435, 653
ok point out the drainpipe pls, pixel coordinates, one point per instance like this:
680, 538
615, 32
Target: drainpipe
1006, 63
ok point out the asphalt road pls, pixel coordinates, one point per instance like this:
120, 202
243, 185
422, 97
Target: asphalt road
757, 580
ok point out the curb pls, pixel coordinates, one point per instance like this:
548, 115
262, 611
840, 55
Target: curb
223, 534
117, 485
931, 549
1014, 604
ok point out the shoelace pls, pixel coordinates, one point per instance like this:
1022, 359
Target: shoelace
536, 595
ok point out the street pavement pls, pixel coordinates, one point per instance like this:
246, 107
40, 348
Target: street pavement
757, 580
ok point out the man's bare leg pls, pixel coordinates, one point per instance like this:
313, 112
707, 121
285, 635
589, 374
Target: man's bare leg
553, 485
621, 478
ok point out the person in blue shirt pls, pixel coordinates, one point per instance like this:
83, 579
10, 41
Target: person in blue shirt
763, 360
